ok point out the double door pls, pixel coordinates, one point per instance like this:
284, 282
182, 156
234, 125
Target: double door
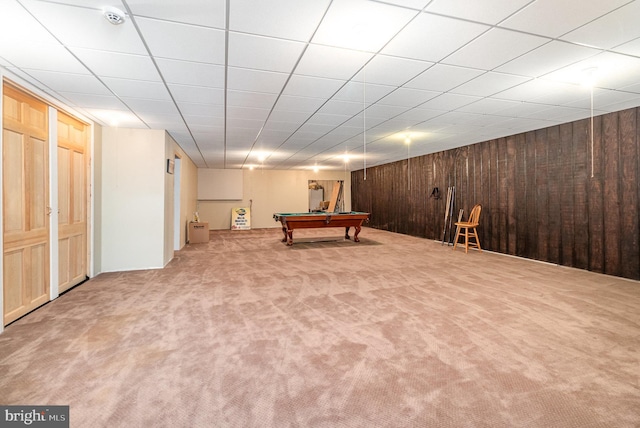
26, 203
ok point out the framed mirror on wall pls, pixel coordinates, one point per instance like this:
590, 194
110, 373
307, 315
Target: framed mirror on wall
326, 195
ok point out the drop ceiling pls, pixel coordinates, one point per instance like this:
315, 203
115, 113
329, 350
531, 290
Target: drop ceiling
296, 84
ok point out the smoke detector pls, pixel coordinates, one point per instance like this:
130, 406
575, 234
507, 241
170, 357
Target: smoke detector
114, 15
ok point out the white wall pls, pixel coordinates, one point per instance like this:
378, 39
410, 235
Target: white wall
271, 191
133, 194
188, 189
135, 212
169, 224
95, 220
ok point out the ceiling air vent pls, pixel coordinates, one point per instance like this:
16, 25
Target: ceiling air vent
114, 15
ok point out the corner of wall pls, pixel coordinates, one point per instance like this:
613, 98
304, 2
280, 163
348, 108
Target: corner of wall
95, 265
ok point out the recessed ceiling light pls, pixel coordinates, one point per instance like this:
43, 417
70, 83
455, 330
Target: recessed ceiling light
114, 15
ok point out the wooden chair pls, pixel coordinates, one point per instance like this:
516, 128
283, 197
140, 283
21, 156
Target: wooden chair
469, 230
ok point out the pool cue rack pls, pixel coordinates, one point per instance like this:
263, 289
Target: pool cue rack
448, 216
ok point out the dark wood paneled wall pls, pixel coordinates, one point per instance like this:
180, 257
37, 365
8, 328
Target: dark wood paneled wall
545, 194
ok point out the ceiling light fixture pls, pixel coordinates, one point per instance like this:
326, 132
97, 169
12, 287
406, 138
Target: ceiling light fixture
114, 15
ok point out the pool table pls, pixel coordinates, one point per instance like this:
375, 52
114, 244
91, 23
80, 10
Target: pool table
291, 221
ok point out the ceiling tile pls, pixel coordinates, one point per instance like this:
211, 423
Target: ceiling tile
65, 82
630, 48
293, 117
137, 88
413, 4
542, 91
116, 117
487, 11
449, 102
330, 62
40, 56
204, 121
316, 87
443, 78
603, 99
359, 92
197, 94
621, 104
94, 4
560, 113
89, 28
249, 126
208, 13
88, 101
247, 113
263, 53
417, 115
111, 64
361, 25
610, 70
191, 73
406, 97
494, 48
341, 108
243, 79
489, 84
151, 106
22, 27
328, 119
301, 104
280, 126
164, 121
449, 33
251, 99
388, 70
491, 106
613, 29
287, 19
547, 58
384, 111
181, 41
474, 60
269, 136
195, 109
552, 18
635, 88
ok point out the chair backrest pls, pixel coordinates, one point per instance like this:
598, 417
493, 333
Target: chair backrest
474, 217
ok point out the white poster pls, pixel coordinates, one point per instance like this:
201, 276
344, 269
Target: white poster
240, 219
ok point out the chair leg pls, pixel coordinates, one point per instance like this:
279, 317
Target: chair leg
475, 233
466, 240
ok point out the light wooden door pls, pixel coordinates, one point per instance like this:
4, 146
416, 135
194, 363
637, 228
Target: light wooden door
25, 165
72, 201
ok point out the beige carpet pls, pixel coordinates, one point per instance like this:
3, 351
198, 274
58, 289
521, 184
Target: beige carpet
395, 331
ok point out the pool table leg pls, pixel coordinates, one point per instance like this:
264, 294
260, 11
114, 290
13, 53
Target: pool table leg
346, 233
355, 236
284, 230
290, 236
